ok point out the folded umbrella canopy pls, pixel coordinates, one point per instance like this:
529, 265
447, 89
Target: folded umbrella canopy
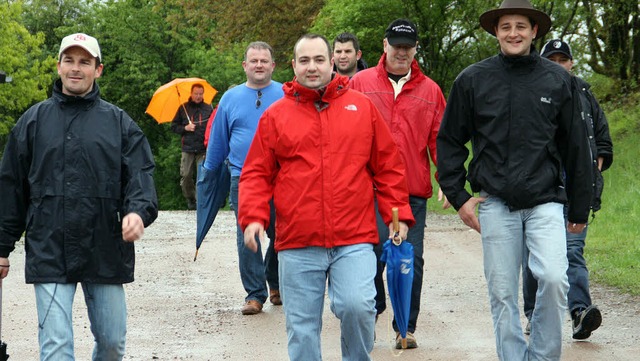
398, 256
212, 188
168, 98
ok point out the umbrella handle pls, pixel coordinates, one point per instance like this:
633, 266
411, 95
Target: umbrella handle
396, 226
186, 113
185, 110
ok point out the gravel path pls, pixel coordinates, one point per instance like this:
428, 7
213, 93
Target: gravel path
185, 310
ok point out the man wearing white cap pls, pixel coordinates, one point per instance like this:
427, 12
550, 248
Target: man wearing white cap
77, 179
518, 112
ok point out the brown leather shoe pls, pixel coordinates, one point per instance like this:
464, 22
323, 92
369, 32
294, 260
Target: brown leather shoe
411, 341
274, 297
252, 307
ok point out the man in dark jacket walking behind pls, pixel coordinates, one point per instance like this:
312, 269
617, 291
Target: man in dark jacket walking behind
585, 315
520, 114
77, 179
191, 123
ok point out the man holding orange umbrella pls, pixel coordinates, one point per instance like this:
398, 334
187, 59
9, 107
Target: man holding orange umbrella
190, 122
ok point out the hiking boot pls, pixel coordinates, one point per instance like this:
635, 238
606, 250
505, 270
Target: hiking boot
252, 307
585, 322
411, 341
527, 329
274, 297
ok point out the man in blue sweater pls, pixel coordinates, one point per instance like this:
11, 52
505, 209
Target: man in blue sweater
232, 131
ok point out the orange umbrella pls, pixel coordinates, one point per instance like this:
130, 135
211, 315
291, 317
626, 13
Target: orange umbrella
168, 98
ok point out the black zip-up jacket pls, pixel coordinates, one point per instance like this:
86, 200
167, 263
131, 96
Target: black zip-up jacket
599, 138
73, 167
199, 113
525, 128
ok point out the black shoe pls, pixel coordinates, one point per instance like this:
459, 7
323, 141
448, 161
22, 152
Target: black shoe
585, 322
191, 205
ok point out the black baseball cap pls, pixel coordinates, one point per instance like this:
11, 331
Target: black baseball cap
402, 32
556, 46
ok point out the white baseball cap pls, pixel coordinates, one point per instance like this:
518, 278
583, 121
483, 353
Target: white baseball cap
88, 43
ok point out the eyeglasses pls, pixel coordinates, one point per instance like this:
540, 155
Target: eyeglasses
258, 102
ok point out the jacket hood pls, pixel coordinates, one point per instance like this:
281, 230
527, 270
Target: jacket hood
336, 87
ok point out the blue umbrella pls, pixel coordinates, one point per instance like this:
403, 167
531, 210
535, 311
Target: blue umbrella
399, 259
212, 188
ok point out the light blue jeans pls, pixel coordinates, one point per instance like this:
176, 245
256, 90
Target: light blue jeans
505, 233
303, 275
107, 309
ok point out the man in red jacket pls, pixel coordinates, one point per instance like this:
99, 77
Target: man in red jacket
318, 152
412, 106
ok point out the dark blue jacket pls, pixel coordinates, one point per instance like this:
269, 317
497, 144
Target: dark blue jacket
73, 167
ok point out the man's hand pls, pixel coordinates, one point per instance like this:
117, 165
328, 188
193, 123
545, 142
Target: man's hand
576, 228
4, 267
468, 212
132, 227
442, 198
253, 229
190, 127
402, 232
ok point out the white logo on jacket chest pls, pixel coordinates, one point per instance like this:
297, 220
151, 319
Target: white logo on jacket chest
545, 100
351, 107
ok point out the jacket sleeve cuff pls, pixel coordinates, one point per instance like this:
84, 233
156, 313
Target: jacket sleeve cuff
460, 199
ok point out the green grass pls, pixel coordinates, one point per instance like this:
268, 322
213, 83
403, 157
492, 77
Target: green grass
613, 242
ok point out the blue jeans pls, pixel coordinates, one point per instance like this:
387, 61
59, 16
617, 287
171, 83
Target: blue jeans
107, 309
578, 274
416, 238
303, 276
254, 273
505, 235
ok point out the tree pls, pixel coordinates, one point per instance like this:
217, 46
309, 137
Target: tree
22, 59
230, 22
613, 34
57, 19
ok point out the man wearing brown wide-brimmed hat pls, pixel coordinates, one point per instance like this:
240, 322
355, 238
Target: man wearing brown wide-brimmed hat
517, 110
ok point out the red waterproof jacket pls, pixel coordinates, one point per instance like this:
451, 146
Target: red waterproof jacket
413, 117
318, 156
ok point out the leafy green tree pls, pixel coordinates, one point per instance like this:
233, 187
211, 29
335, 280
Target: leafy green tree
22, 59
57, 19
613, 33
230, 22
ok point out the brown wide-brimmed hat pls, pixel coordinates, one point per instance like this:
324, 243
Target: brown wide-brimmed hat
489, 19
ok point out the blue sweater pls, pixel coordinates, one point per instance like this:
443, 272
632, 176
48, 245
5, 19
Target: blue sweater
235, 124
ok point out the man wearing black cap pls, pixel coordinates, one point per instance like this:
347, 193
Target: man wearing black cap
585, 315
519, 113
412, 106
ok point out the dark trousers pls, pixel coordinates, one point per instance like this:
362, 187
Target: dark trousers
416, 238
